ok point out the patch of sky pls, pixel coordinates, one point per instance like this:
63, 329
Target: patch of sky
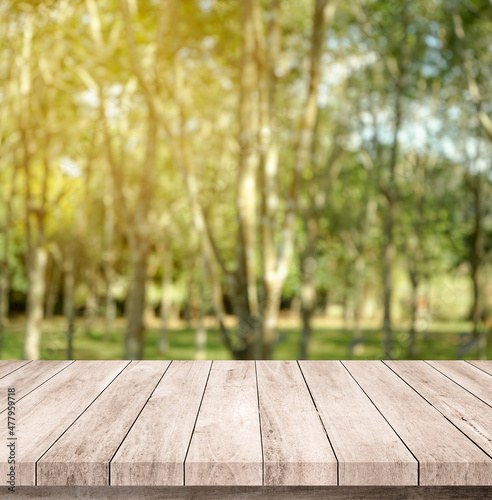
131, 143
208, 43
90, 98
454, 112
354, 141
206, 5
433, 42
69, 167
191, 125
116, 89
429, 71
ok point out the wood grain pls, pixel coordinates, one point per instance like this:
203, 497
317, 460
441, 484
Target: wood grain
81, 456
8, 366
295, 446
471, 415
368, 450
30, 377
446, 457
470, 377
154, 451
225, 447
45, 414
239, 424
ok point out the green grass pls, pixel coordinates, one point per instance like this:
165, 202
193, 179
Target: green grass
441, 342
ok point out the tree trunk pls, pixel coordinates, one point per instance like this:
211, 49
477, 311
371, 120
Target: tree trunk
4, 295
254, 322
248, 329
110, 315
4, 263
412, 344
276, 270
308, 290
389, 248
327, 304
479, 333
4, 302
135, 303
248, 166
357, 348
200, 330
109, 226
271, 308
388, 258
308, 302
68, 302
166, 300
91, 300
53, 290
35, 303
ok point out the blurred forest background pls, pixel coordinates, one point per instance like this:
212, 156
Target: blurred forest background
245, 178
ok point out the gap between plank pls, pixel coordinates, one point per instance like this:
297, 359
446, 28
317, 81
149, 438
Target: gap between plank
474, 366
261, 435
322, 423
194, 425
21, 366
399, 437
136, 418
88, 406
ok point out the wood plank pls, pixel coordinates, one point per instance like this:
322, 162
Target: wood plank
368, 450
446, 457
30, 377
470, 377
225, 447
44, 414
485, 365
471, 415
8, 366
81, 456
295, 446
154, 451
255, 492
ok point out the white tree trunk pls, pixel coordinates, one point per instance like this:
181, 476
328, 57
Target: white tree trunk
35, 302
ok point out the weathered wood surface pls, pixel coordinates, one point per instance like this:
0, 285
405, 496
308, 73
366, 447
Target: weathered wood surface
225, 447
281, 426
368, 450
47, 412
485, 365
446, 456
10, 366
472, 377
30, 377
154, 451
468, 413
82, 455
295, 446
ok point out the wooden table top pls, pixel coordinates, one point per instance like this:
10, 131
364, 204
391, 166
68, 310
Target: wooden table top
247, 423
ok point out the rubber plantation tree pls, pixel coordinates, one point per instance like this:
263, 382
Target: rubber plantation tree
33, 108
315, 200
257, 182
468, 34
399, 51
133, 216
